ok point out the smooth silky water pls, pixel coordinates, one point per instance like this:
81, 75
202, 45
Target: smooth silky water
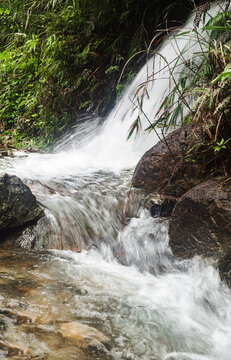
123, 295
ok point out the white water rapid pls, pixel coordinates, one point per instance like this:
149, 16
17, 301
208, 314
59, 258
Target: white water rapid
151, 305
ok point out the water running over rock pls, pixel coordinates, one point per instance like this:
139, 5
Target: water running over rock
124, 297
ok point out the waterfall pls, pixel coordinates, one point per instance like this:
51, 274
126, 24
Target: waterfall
127, 283
84, 181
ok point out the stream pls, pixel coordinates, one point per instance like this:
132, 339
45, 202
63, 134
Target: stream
105, 291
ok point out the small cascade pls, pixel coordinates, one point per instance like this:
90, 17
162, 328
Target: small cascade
84, 181
145, 244
124, 282
179, 311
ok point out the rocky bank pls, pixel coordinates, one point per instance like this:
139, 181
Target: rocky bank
201, 218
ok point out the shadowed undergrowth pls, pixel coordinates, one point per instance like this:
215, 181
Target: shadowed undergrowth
60, 58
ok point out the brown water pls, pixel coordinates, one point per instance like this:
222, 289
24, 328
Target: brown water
38, 312
64, 305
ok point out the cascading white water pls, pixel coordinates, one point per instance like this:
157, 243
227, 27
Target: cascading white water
105, 147
72, 169
181, 313
153, 306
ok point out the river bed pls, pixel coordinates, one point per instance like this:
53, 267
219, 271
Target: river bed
66, 305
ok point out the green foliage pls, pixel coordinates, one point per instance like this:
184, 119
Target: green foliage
219, 145
201, 94
196, 76
224, 74
59, 57
134, 127
219, 26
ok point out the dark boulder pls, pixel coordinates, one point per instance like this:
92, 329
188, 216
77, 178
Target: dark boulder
167, 167
18, 206
201, 222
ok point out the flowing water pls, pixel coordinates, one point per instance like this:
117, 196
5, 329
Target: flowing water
124, 295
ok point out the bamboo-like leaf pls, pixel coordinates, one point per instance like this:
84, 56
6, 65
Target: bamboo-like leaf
134, 127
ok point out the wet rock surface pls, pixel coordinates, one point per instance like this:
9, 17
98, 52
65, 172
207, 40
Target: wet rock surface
83, 334
163, 209
5, 152
165, 167
37, 325
38, 236
224, 266
201, 222
201, 207
18, 206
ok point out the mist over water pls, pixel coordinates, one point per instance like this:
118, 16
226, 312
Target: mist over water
152, 306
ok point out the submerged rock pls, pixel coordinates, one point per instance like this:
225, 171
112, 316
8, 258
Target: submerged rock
201, 222
83, 334
5, 152
14, 349
18, 206
166, 169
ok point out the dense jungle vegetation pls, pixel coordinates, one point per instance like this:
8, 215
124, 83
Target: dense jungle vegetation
62, 57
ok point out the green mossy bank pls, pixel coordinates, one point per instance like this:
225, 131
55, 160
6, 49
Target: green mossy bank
61, 58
